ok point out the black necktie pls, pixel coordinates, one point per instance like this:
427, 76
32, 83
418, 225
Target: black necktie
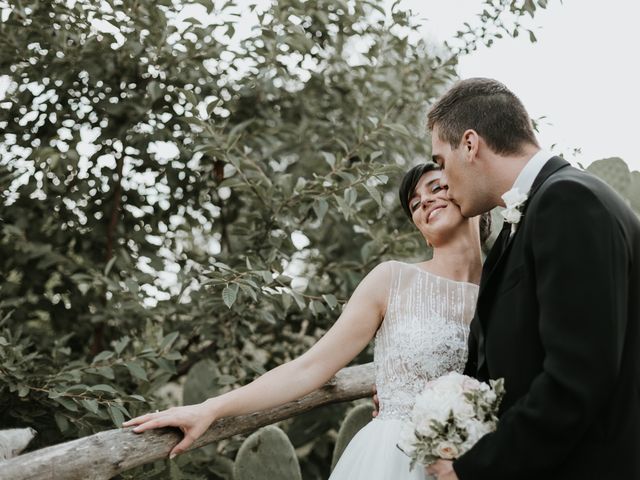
503, 237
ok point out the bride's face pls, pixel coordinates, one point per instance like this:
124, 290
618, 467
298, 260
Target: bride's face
432, 212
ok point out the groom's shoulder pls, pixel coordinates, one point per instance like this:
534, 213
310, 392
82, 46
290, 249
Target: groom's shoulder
578, 190
570, 181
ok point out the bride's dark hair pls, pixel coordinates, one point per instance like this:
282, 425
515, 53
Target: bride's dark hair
408, 187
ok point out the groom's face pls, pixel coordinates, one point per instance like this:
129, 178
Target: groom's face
456, 175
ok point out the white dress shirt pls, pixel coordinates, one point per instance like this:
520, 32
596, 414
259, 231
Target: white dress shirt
525, 180
527, 176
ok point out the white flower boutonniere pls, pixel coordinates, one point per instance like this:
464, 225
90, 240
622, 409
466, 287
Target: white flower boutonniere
513, 200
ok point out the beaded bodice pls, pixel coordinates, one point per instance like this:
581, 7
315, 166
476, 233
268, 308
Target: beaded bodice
423, 335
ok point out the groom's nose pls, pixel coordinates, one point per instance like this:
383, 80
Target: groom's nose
444, 182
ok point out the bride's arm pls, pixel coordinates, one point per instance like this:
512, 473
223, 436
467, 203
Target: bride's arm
346, 338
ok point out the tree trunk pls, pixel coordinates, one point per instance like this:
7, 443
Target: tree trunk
105, 454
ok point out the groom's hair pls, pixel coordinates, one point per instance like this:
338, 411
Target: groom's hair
408, 188
488, 107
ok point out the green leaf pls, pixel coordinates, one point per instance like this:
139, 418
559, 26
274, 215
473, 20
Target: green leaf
116, 415
331, 300
286, 301
103, 388
229, 294
250, 291
90, 405
61, 422
106, 372
316, 307
320, 207
267, 277
137, 371
109, 265
168, 340
66, 403
121, 344
330, 158
104, 355
375, 194
299, 299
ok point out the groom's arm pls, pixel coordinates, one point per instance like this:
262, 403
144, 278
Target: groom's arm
580, 261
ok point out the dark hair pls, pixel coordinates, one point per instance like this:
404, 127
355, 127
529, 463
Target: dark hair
408, 188
409, 182
488, 107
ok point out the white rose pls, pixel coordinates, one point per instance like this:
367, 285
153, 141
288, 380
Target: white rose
439, 411
463, 410
470, 384
489, 396
447, 450
450, 383
511, 215
514, 197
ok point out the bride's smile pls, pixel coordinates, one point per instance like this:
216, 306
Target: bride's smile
435, 211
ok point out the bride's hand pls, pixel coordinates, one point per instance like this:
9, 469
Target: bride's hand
193, 420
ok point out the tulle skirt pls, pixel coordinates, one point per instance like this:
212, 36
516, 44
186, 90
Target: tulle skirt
372, 455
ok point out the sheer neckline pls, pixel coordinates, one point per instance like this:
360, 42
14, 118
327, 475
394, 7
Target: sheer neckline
414, 265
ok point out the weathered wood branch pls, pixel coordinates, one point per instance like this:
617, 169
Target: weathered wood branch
105, 454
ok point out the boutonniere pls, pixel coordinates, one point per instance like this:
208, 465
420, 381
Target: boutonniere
513, 200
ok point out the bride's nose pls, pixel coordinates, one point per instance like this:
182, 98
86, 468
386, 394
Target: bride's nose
427, 200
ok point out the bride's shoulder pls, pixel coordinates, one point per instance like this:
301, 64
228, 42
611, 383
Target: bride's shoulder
385, 271
381, 273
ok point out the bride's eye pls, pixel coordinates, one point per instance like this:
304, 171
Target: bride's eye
435, 188
415, 205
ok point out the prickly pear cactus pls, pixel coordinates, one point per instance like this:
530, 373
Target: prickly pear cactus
267, 455
201, 383
634, 191
613, 171
357, 418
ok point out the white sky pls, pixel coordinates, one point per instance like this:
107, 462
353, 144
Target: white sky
583, 74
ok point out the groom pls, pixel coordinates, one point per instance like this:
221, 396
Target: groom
558, 312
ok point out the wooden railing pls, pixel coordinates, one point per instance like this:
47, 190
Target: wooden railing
105, 454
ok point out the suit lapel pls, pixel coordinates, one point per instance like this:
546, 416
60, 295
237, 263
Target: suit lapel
553, 165
498, 255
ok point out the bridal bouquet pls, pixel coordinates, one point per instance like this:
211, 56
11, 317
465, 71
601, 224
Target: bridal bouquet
449, 417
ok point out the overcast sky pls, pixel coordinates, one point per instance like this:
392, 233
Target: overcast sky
583, 74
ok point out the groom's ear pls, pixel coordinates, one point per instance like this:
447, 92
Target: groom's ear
470, 143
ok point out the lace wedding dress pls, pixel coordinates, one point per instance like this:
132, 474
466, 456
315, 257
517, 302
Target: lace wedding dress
423, 336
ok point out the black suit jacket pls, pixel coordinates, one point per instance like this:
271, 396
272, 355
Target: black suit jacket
557, 317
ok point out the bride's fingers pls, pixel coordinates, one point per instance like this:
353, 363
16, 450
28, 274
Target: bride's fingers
182, 446
157, 423
140, 419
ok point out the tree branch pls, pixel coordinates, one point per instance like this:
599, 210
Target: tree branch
106, 454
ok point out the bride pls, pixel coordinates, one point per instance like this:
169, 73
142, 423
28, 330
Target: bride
419, 315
